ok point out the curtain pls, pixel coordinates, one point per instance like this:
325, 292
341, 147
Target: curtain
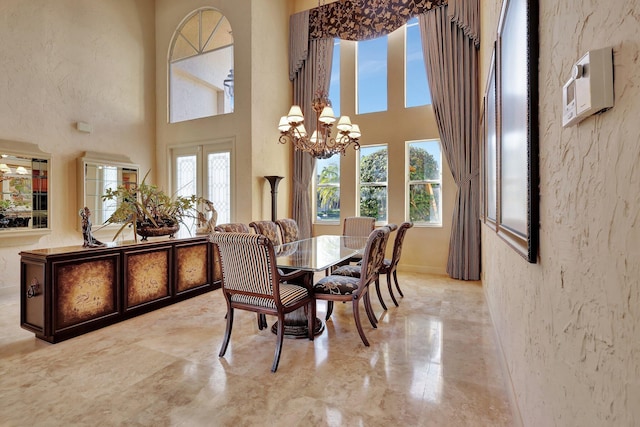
309, 79
451, 60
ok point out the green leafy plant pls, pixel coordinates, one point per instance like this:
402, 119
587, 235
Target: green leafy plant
148, 206
4, 205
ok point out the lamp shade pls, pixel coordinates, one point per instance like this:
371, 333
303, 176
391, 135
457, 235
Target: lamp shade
295, 114
355, 131
283, 125
327, 115
314, 137
301, 130
344, 124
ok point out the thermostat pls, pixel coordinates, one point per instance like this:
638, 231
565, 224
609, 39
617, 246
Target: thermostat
590, 88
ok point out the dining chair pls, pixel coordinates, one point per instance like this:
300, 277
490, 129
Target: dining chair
344, 288
390, 266
357, 226
266, 228
251, 281
232, 227
289, 231
238, 227
352, 270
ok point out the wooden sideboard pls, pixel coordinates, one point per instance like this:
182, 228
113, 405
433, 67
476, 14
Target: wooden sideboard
69, 291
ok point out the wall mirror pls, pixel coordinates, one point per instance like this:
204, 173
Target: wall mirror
24, 188
517, 127
97, 173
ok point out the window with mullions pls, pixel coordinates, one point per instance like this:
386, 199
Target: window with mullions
327, 185
201, 77
416, 86
373, 181
424, 173
371, 84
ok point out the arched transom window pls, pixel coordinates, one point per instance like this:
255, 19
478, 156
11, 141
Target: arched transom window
201, 82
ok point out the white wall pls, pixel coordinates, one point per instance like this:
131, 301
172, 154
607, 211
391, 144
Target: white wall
569, 326
66, 61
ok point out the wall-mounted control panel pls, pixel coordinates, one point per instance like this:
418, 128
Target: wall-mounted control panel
590, 88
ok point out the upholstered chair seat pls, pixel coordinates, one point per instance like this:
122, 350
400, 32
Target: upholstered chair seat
337, 285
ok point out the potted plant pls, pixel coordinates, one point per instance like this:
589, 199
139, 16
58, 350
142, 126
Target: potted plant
151, 212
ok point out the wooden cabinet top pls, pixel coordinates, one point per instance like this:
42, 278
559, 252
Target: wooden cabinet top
110, 246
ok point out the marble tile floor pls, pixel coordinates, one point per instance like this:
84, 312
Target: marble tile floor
433, 361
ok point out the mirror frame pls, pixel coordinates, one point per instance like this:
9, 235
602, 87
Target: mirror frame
29, 151
95, 158
522, 234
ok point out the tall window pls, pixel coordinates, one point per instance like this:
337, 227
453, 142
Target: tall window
327, 184
201, 77
206, 171
424, 181
373, 181
371, 84
416, 85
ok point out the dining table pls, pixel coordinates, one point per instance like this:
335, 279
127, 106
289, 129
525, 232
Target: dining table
313, 255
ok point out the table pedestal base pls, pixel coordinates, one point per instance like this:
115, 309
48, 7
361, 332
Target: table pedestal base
296, 325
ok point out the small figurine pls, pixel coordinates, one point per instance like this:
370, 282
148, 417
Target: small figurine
89, 240
204, 225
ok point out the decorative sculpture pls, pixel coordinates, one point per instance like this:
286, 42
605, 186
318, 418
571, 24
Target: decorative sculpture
204, 225
89, 240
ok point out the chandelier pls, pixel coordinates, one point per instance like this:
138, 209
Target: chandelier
321, 144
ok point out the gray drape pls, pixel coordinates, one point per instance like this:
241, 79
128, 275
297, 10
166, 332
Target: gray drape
466, 14
298, 41
451, 60
305, 85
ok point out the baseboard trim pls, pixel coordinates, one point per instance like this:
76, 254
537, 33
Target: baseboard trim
513, 401
421, 269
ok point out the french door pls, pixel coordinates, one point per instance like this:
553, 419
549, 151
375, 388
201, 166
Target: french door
205, 170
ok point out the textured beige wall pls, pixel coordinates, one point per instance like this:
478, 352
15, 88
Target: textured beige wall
569, 326
65, 61
262, 92
271, 96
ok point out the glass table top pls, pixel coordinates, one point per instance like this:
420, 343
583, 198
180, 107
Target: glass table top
318, 253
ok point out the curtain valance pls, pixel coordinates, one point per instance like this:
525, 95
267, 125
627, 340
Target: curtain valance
298, 41
365, 19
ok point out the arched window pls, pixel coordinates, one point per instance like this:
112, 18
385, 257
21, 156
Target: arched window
201, 82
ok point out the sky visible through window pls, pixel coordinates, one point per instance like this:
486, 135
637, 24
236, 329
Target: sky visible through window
416, 86
372, 72
372, 75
